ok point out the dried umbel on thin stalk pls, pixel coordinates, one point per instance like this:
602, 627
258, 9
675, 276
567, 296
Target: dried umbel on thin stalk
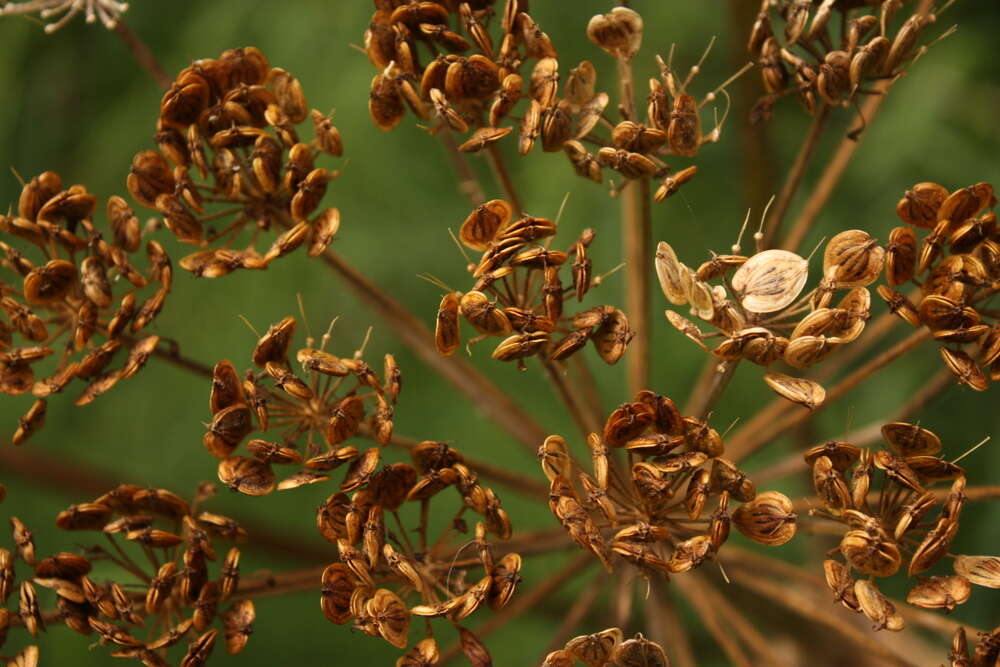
107, 11
231, 165
655, 511
957, 267
760, 310
328, 410
607, 648
828, 51
481, 83
383, 579
519, 294
893, 529
177, 602
75, 295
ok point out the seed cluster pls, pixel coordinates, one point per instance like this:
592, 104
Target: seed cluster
606, 648
521, 274
882, 534
656, 512
826, 59
956, 265
107, 11
232, 122
175, 539
83, 298
755, 306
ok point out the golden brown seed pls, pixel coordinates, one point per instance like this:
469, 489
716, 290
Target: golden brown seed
770, 280
767, 519
797, 390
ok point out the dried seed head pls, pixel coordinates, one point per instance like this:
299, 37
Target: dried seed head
767, 519
619, 32
770, 280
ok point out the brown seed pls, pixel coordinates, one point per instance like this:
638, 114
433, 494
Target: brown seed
595, 650
877, 607
247, 475
940, 593
979, 570
965, 369
619, 32
797, 390
767, 519
838, 578
770, 280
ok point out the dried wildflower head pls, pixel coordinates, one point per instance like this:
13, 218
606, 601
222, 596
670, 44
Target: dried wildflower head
519, 294
384, 579
107, 11
143, 525
328, 409
655, 514
481, 82
85, 293
760, 309
608, 647
230, 164
957, 266
828, 51
884, 535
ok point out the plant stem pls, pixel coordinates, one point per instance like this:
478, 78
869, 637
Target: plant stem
665, 626
142, 54
576, 613
707, 394
833, 171
468, 184
502, 176
708, 613
794, 178
584, 420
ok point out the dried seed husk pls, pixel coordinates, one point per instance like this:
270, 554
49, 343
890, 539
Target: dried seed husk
767, 519
965, 369
505, 576
877, 607
797, 390
935, 545
640, 652
247, 475
830, 486
770, 280
940, 593
911, 440
806, 351
595, 650
668, 270
838, 578
979, 570
869, 553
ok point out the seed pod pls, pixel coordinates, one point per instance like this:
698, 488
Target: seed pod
838, 578
668, 270
770, 280
618, 33
979, 570
797, 390
940, 593
853, 258
877, 607
595, 650
483, 315
199, 649
869, 553
767, 519
934, 545
553, 454
247, 475
920, 205
424, 654
390, 616
965, 369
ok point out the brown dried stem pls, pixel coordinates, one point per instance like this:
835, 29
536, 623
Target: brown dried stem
576, 613
142, 54
693, 591
834, 170
526, 601
468, 184
708, 390
743, 627
666, 627
502, 176
794, 178
780, 415
582, 417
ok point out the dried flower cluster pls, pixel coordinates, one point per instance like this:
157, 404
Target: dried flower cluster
655, 527
522, 275
825, 59
663, 487
232, 121
767, 301
83, 297
177, 543
960, 255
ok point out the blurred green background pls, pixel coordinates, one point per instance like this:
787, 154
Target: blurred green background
76, 102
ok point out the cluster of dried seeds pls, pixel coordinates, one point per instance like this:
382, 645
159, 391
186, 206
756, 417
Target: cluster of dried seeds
608, 648
175, 539
986, 653
656, 512
881, 534
380, 569
77, 288
231, 121
768, 319
107, 11
956, 266
329, 409
830, 49
475, 94
521, 274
